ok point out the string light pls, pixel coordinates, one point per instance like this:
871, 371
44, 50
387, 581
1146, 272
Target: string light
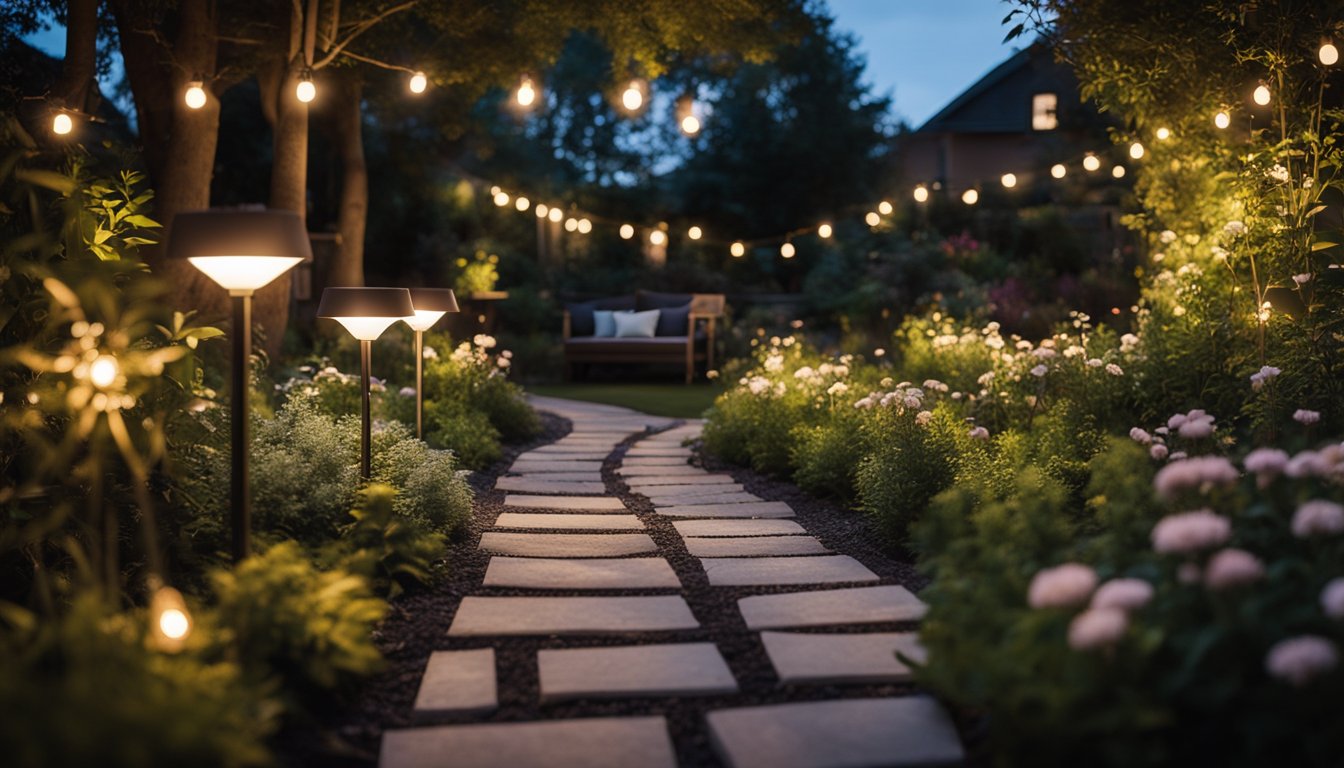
690, 125
542, 210
305, 91
1136, 150
170, 620
194, 95
1091, 162
970, 197
1163, 133
1222, 120
1058, 170
103, 371
686, 117
872, 219
526, 95
556, 214
585, 226
418, 82
571, 224
1008, 180
632, 98
1261, 95
738, 250
884, 208
627, 231
695, 233
921, 194
522, 203
658, 237
1118, 172
787, 250
1328, 54
61, 124
825, 231
501, 198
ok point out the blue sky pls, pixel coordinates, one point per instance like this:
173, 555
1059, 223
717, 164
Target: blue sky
921, 52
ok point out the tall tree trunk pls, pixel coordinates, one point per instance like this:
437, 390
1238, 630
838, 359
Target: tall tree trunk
79, 69
348, 266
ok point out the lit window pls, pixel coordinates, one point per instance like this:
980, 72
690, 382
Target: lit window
1043, 115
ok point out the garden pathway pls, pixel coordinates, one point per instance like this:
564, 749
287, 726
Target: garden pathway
678, 619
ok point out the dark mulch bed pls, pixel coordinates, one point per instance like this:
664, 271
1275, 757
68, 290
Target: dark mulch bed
418, 624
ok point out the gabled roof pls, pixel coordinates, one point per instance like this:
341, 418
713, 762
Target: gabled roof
1000, 102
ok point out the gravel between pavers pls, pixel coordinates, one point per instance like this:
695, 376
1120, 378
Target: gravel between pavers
418, 623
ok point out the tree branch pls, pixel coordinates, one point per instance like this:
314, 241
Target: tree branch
360, 28
377, 63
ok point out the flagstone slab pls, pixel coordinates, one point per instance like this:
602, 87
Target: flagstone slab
907, 731
560, 573
586, 476
577, 743
585, 503
536, 484
683, 470
827, 659
860, 605
567, 544
457, 683
555, 465
480, 616
681, 481
757, 571
691, 500
763, 527
751, 509
654, 461
569, 521
755, 546
548, 453
644, 450
675, 669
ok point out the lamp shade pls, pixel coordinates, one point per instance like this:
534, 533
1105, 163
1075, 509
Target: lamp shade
240, 249
430, 305
366, 312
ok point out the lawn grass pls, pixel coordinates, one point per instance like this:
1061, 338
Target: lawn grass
680, 401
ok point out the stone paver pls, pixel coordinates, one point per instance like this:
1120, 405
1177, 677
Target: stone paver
907, 731
584, 503
540, 466
569, 521
754, 546
751, 509
638, 483
588, 476
654, 461
682, 470
861, 605
765, 527
756, 571
457, 683
579, 743
688, 500
564, 573
536, 485
826, 659
567, 544
678, 669
481, 616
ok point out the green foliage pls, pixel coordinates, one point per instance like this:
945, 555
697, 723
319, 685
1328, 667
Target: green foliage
466, 385
393, 551
85, 688
477, 275
311, 629
909, 464
466, 431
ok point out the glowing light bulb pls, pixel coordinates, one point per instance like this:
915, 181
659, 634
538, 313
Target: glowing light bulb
556, 214
787, 250
695, 233
1091, 162
658, 237
501, 198
632, 98
194, 95
970, 197
61, 124
305, 91
738, 250
1136, 150
1163, 133
690, 125
1261, 95
571, 224
1222, 120
542, 210
103, 372
1118, 171
526, 95
627, 231
884, 208
824, 231
1328, 54
1009, 180
173, 624
585, 226
418, 82
921, 194
522, 203
1058, 170
872, 219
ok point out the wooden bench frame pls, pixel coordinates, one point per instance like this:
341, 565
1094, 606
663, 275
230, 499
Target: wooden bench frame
706, 310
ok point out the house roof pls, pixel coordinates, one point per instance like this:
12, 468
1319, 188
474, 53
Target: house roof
1000, 102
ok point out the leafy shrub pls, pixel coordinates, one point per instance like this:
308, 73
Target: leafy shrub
467, 432
476, 275
394, 552
86, 689
826, 456
428, 487
311, 629
472, 379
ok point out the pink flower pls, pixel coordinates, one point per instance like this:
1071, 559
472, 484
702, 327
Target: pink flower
1114, 369
1233, 568
1039, 371
1158, 452
1266, 463
1195, 425
1332, 598
1097, 628
1139, 436
1318, 517
1307, 464
979, 433
1201, 473
1299, 660
1303, 416
1124, 594
1190, 532
1063, 586
1265, 374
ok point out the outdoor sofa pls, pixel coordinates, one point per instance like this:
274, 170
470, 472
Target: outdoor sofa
683, 333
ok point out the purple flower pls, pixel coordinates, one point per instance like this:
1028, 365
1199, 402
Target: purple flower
1299, 660
1201, 473
1231, 568
1318, 517
1189, 532
1332, 598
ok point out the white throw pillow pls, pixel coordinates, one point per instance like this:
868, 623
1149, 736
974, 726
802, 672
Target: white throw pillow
603, 324
636, 325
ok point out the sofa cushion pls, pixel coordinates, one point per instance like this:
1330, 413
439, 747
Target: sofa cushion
636, 324
674, 321
604, 323
581, 312
655, 300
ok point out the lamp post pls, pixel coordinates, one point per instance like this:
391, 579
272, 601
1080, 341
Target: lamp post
365, 313
430, 304
242, 251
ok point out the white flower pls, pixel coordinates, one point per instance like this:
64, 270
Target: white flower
838, 388
1303, 416
774, 363
1043, 353
864, 403
923, 418
1128, 342
1302, 279
985, 378
805, 372
879, 352
1094, 363
503, 362
1039, 371
1114, 369
1167, 236
407, 392
1235, 228
711, 374
484, 341
1278, 173
1266, 373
